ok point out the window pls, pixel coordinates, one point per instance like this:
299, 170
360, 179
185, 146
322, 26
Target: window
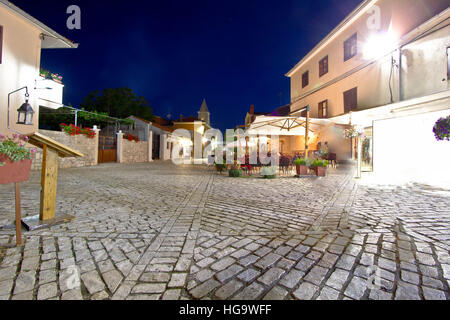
305, 79
323, 66
323, 109
1, 43
350, 47
350, 100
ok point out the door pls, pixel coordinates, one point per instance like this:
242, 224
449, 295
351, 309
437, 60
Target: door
107, 149
156, 146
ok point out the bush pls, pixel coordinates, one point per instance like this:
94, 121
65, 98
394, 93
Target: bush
300, 162
319, 163
235, 173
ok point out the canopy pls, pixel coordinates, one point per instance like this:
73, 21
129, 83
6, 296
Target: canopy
286, 126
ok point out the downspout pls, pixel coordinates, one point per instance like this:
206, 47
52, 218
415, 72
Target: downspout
400, 74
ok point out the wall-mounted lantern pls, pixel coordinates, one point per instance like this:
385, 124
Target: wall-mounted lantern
25, 113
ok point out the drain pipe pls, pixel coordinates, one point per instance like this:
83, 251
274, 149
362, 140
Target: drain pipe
400, 74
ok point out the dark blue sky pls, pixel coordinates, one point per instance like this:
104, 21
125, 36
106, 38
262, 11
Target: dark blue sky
175, 53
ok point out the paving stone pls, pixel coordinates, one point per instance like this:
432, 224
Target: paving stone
328, 293
172, 294
149, 288
74, 294
270, 276
316, 275
305, 291
222, 264
228, 289
25, 282
177, 280
228, 273
47, 291
406, 291
251, 292
276, 293
249, 275
112, 279
337, 279
93, 282
204, 289
356, 288
433, 294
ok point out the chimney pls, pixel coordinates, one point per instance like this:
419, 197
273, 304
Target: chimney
181, 117
252, 109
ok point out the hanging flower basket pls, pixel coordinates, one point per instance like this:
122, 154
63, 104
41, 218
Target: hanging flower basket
15, 159
354, 132
442, 129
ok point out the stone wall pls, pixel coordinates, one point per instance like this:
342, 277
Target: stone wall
134, 152
88, 147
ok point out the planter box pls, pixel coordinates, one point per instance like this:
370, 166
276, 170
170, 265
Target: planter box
13, 172
302, 170
320, 171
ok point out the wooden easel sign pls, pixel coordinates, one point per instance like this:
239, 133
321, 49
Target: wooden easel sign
52, 151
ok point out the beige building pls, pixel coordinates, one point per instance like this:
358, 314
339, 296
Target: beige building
386, 68
21, 39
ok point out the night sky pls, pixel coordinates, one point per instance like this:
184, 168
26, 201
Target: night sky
175, 53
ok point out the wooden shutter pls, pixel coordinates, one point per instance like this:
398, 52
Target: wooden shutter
1, 43
323, 66
350, 100
351, 47
320, 110
305, 79
323, 106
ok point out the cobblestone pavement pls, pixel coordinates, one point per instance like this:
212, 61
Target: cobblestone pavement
157, 231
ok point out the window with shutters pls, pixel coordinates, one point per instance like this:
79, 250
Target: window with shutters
305, 79
1, 43
323, 66
350, 47
350, 100
323, 109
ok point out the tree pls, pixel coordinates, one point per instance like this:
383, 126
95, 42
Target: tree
119, 103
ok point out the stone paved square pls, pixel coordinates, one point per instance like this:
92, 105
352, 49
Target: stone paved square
160, 231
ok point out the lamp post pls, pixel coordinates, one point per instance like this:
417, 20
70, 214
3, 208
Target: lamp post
24, 117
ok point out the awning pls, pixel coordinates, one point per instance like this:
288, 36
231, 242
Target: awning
286, 126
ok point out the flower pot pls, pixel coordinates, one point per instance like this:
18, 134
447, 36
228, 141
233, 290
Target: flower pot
13, 172
321, 171
301, 170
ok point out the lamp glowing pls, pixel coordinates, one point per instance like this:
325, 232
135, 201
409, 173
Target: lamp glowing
379, 44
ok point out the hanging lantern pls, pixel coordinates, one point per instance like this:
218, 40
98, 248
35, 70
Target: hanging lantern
25, 113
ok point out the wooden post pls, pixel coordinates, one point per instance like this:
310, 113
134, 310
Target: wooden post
307, 132
18, 216
49, 182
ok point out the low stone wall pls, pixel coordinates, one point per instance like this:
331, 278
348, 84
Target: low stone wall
134, 152
88, 147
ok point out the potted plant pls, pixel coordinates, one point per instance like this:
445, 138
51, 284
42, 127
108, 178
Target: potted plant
441, 129
235, 173
320, 167
301, 166
15, 159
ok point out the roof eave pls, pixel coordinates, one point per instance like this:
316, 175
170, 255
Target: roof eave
324, 41
64, 42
